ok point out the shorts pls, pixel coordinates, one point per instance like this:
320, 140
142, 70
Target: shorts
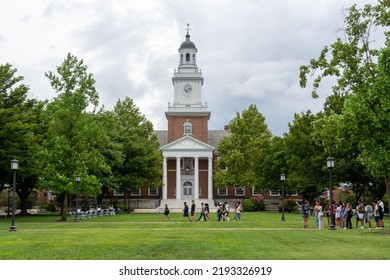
305, 216
368, 218
359, 217
376, 218
381, 215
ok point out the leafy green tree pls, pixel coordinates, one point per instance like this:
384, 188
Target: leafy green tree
142, 162
270, 164
75, 140
20, 133
305, 159
362, 77
249, 139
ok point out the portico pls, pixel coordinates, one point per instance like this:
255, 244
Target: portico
187, 171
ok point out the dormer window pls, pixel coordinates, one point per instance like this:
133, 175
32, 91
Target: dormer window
187, 128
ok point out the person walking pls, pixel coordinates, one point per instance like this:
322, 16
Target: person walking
237, 212
166, 213
207, 211
202, 212
226, 211
193, 208
185, 213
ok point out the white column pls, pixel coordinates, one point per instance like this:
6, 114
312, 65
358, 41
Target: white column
178, 179
196, 178
165, 179
210, 178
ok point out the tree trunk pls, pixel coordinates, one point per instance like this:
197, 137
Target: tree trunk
64, 207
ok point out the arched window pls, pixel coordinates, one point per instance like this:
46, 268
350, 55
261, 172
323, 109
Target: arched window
187, 57
187, 128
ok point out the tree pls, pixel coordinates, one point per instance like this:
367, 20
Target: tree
362, 77
20, 133
141, 164
305, 159
249, 139
74, 141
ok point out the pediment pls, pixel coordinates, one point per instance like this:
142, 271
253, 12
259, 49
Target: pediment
187, 143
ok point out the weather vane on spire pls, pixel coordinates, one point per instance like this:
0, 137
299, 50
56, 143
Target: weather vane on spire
188, 28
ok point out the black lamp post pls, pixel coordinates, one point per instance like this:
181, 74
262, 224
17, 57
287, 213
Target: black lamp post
76, 216
330, 166
14, 168
283, 178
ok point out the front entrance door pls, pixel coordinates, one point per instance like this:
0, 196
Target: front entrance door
187, 190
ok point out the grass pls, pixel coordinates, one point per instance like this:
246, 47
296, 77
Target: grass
144, 237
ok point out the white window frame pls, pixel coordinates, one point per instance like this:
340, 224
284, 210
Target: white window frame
223, 191
239, 193
136, 192
274, 193
152, 191
255, 192
118, 193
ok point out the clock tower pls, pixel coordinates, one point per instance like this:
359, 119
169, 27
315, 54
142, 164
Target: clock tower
187, 156
187, 106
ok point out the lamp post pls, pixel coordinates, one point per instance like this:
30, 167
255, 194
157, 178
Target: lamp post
14, 168
76, 216
283, 178
330, 166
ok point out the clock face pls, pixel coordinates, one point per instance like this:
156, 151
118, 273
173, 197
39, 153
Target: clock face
187, 88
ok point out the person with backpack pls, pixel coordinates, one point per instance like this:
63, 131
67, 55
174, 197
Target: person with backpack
166, 213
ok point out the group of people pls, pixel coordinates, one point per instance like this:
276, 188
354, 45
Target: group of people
343, 214
223, 211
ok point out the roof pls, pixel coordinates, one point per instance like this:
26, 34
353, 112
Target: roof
188, 44
214, 137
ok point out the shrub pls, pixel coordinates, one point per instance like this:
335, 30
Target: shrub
255, 203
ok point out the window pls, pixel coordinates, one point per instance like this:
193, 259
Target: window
293, 193
187, 163
118, 193
240, 191
187, 128
187, 57
274, 193
136, 192
256, 192
222, 191
153, 191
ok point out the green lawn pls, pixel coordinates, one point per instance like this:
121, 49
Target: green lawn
143, 236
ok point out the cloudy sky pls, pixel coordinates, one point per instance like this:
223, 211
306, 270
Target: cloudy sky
249, 50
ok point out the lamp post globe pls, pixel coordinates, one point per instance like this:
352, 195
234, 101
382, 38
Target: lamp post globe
283, 178
330, 166
14, 168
